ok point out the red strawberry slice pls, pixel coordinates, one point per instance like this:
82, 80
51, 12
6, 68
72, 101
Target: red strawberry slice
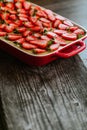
50, 14
47, 25
2, 26
13, 37
59, 32
63, 26
9, 29
44, 20
36, 28
22, 15
69, 36
30, 38
13, 17
4, 16
54, 47
26, 33
40, 43
59, 17
38, 51
79, 31
37, 35
21, 40
60, 41
26, 5
10, 5
51, 35
28, 24
23, 19
12, 11
28, 46
44, 37
56, 23
68, 22
2, 33
21, 29
18, 22
73, 28
18, 5
22, 11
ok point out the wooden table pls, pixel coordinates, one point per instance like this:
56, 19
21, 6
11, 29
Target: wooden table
52, 97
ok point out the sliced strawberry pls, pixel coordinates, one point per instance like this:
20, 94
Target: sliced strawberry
50, 14
22, 15
38, 50
63, 26
79, 31
2, 33
33, 19
12, 11
56, 23
21, 40
23, 19
21, 29
41, 13
40, 43
9, 29
44, 20
59, 32
68, 22
44, 37
54, 47
30, 38
28, 46
69, 36
13, 17
36, 28
18, 5
18, 22
8, 21
2, 26
73, 28
60, 41
59, 17
26, 5
28, 24
5, 16
47, 25
10, 5
13, 37
37, 35
51, 34
22, 11
26, 33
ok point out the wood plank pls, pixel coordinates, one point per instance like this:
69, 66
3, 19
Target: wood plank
39, 98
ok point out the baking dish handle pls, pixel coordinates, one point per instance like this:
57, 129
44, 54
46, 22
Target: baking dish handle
71, 50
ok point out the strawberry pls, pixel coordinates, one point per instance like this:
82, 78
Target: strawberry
10, 5
40, 43
22, 15
2, 26
56, 23
28, 46
59, 17
36, 28
44, 20
68, 22
2, 33
44, 37
22, 11
23, 19
21, 29
38, 50
54, 47
59, 32
63, 26
9, 28
13, 37
18, 5
51, 35
18, 22
69, 36
73, 28
13, 17
79, 31
5, 16
50, 14
21, 40
26, 5
26, 33
28, 24
30, 38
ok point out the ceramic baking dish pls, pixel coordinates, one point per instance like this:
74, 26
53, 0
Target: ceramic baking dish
66, 51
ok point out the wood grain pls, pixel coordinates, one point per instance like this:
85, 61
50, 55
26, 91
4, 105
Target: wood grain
52, 97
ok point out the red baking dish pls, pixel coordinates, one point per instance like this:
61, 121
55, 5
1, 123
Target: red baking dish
66, 51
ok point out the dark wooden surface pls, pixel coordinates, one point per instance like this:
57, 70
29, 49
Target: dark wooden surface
52, 97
